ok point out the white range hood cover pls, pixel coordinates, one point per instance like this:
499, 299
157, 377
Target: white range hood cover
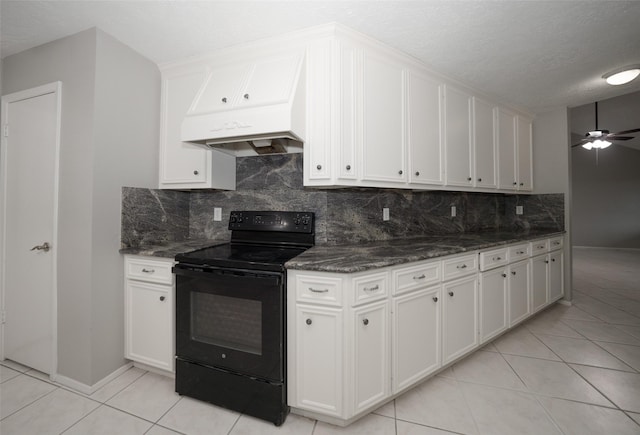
250, 102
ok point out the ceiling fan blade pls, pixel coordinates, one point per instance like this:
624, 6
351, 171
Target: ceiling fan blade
635, 130
615, 137
582, 142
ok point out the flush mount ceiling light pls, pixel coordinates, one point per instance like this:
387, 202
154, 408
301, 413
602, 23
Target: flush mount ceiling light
622, 76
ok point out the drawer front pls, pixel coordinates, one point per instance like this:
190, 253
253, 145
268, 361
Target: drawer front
370, 288
319, 290
539, 247
493, 259
149, 270
519, 252
459, 266
418, 276
556, 243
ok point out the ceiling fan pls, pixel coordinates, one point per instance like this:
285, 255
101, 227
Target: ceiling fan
599, 139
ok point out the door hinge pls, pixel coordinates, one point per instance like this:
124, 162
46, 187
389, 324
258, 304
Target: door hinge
5, 130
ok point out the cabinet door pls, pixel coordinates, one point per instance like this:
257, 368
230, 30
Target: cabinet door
416, 336
319, 369
556, 276
493, 303
222, 88
506, 146
459, 318
383, 139
457, 133
350, 65
539, 282
272, 80
424, 138
149, 324
181, 163
525, 174
371, 355
484, 145
519, 304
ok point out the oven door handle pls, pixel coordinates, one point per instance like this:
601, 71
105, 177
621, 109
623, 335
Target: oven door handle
213, 272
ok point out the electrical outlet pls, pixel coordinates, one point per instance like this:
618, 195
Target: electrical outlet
217, 214
453, 211
519, 209
385, 214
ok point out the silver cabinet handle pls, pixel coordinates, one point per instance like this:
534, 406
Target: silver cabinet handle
246, 96
468, 178
419, 277
435, 299
519, 252
553, 259
372, 289
497, 258
319, 167
479, 179
309, 321
504, 275
224, 99
546, 261
195, 172
324, 290
513, 273
148, 270
162, 298
348, 167
417, 173
464, 266
365, 322
451, 294
540, 247
400, 172
44, 247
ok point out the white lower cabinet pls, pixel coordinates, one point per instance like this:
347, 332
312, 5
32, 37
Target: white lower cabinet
539, 282
519, 305
459, 317
318, 355
357, 340
547, 275
494, 309
370, 355
416, 340
149, 312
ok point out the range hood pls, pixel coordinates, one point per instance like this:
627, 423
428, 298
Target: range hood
250, 108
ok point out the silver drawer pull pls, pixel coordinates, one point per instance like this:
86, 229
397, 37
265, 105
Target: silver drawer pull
519, 252
463, 266
556, 243
540, 247
420, 277
324, 290
497, 258
372, 289
148, 271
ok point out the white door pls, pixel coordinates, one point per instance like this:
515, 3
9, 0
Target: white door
30, 144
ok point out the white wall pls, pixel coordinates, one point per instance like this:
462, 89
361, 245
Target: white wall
551, 170
106, 129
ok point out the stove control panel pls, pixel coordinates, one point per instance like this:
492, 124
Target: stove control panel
275, 221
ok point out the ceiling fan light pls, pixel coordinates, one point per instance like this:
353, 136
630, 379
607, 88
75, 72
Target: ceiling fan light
622, 76
587, 146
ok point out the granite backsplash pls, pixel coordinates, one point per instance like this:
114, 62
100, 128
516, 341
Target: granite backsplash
274, 182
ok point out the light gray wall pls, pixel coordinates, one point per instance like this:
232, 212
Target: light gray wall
107, 128
126, 131
551, 171
606, 190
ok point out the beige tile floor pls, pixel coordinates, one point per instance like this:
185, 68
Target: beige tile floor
569, 370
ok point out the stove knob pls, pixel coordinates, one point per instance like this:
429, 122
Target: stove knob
296, 221
305, 220
233, 218
239, 219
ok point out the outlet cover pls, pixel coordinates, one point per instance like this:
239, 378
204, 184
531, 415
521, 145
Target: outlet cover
217, 214
454, 212
519, 209
385, 214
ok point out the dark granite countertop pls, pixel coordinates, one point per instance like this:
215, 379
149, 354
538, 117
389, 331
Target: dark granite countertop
372, 255
171, 249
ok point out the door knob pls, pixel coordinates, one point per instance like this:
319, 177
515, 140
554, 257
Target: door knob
44, 247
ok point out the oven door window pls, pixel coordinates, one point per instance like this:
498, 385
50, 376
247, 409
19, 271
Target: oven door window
232, 320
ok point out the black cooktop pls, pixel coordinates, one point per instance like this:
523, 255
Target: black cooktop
259, 241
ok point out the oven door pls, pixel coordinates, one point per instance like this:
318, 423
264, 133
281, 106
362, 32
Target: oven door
231, 319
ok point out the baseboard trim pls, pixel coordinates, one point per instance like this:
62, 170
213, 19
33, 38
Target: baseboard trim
565, 302
90, 389
609, 248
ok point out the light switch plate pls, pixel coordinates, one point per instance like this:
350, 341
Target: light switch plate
217, 214
453, 211
385, 214
519, 209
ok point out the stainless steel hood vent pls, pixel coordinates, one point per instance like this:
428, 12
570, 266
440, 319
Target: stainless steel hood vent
258, 106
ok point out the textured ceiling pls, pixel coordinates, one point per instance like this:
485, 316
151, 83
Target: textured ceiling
533, 54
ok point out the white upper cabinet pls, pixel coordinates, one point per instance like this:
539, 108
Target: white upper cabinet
184, 165
484, 144
524, 153
457, 134
382, 119
221, 89
506, 145
424, 129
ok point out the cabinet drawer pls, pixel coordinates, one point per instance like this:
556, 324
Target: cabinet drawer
459, 266
149, 270
539, 247
319, 290
556, 243
493, 259
417, 276
370, 288
518, 252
